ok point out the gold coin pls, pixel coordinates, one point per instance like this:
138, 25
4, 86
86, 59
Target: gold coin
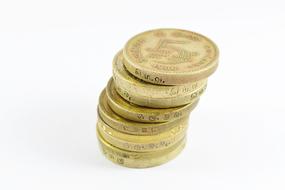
160, 103
146, 90
149, 143
144, 114
170, 56
127, 126
139, 159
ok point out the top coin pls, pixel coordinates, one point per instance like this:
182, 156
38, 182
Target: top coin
170, 56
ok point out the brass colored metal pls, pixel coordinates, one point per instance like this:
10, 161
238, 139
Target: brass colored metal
150, 95
160, 103
134, 143
144, 114
170, 56
139, 159
135, 85
157, 81
127, 126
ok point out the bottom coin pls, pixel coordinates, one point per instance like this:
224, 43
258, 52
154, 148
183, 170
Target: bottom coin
139, 159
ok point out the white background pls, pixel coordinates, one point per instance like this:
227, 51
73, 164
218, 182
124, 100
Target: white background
55, 58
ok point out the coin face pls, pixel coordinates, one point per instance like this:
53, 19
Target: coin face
170, 56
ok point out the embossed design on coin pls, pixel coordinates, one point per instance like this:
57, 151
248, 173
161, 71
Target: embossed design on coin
168, 51
170, 56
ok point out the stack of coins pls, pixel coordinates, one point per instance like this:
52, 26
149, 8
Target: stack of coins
157, 81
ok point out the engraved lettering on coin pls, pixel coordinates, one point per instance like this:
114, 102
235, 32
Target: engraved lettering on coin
120, 160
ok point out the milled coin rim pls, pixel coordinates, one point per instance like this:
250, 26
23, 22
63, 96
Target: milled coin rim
163, 102
130, 142
142, 114
123, 124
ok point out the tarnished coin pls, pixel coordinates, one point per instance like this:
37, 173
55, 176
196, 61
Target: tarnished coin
139, 159
144, 114
127, 126
149, 143
146, 90
160, 103
170, 56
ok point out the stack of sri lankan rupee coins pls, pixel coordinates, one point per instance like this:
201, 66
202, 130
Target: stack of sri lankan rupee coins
157, 81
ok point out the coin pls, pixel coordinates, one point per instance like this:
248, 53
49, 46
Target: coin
127, 126
144, 114
137, 99
139, 159
170, 56
146, 90
134, 143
